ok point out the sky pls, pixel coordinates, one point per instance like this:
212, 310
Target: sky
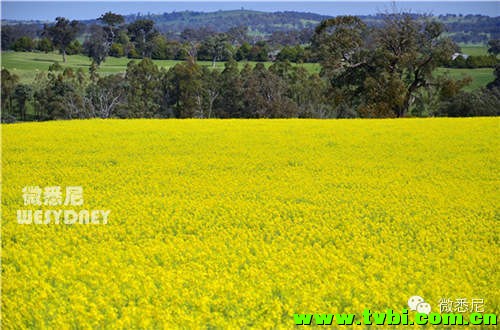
47, 11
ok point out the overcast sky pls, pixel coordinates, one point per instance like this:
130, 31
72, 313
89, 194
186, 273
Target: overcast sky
42, 10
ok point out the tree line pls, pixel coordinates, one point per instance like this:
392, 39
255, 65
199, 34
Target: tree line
464, 61
366, 72
141, 38
267, 26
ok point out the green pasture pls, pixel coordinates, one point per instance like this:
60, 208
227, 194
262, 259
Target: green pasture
25, 65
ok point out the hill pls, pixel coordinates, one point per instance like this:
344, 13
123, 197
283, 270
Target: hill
222, 21
477, 29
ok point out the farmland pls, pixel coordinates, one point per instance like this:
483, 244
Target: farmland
25, 65
241, 223
474, 50
480, 77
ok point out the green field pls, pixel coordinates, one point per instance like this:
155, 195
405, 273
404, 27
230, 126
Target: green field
26, 64
474, 50
480, 77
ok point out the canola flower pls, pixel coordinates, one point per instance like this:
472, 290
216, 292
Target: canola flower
242, 223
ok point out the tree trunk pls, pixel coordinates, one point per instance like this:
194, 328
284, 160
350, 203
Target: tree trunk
402, 111
210, 106
64, 55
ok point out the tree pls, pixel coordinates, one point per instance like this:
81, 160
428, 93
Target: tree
483, 102
243, 52
259, 52
96, 45
61, 96
306, 91
185, 89
160, 49
116, 50
8, 36
9, 83
72, 99
62, 33
216, 48
210, 87
113, 24
230, 103
45, 45
104, 98
192, 39
23, 44
381, 70
265, 95
237, 34
494, 47
111, 19
74, 48
292, 54
142, 33
410, 50
495, 83
339, 44
22, 93
340, 47
144, 89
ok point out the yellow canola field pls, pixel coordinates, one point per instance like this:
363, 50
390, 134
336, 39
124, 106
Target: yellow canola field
242, 223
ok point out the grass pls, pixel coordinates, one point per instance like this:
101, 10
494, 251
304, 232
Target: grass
480, 77
474, 50
25, 64
239, 224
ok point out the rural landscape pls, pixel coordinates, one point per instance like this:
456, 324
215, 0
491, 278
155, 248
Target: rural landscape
247, 168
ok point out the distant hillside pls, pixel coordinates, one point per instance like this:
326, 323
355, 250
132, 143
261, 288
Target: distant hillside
466, 29
221, 21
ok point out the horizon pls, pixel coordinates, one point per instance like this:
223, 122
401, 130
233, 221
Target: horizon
48, 10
